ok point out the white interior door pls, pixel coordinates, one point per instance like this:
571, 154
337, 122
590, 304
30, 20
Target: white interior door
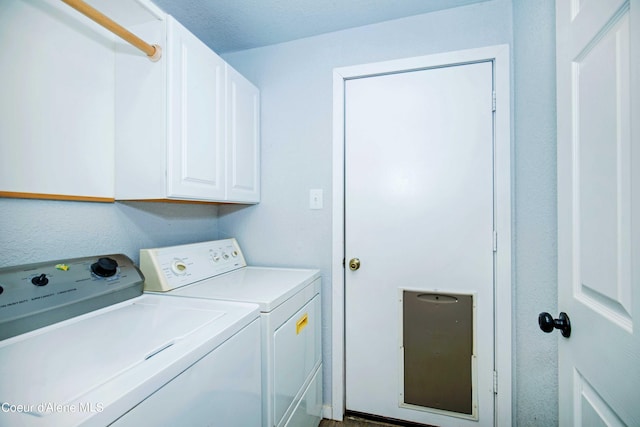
419, 216
599, 211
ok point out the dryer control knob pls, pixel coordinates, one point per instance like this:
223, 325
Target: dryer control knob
179, 267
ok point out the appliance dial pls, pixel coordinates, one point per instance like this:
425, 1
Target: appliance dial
225, 255
40, 280
234, 253
105, 267
179, 267
215, 257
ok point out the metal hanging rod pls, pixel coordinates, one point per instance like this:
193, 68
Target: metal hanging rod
154, 52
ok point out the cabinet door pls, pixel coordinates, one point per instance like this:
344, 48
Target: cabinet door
243, 139
195, 150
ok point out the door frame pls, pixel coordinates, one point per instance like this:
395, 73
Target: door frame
503, 316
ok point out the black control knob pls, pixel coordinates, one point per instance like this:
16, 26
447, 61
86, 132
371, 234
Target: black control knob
547, 323
40, 280
105, 267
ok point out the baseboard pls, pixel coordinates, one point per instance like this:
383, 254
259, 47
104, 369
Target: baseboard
327, 413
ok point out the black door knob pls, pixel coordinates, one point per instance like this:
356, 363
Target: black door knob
547, 323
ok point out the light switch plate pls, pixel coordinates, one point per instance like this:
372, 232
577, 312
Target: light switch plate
315, 199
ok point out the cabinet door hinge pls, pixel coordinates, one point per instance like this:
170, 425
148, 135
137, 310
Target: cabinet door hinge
493, 101
495, 382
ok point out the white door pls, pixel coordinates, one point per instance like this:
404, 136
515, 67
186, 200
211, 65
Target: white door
599, 211
419, 216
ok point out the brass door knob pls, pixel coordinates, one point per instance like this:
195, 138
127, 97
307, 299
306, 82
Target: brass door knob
354, 264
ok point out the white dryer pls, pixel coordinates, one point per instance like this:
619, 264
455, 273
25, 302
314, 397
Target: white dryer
289, 301
80, 345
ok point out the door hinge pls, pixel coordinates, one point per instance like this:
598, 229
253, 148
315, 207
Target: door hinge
495, 382
493, 101
495, 241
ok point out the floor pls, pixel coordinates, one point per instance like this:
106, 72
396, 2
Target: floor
356, 421
352, 421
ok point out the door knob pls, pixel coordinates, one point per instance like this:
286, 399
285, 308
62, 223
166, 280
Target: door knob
354, 264
547, 323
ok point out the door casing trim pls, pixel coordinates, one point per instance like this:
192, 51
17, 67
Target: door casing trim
503, 316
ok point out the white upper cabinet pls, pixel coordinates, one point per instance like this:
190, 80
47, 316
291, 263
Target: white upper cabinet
187, 127
56, 103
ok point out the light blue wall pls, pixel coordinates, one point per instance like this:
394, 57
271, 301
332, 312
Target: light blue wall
535, 244
41, 230
295, 80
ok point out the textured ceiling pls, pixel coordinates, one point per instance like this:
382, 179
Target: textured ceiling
231, 25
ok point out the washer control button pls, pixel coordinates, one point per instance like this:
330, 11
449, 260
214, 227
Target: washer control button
225, 255
234, 253
215, 257
105, 267
40, 280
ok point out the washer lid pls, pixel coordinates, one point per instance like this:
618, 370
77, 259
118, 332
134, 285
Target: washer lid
267, 287
125, 352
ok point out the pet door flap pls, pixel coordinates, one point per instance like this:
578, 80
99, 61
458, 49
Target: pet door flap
438, 351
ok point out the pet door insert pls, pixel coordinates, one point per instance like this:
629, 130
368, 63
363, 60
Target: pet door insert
438, 351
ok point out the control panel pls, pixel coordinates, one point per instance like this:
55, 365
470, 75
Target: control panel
39, 294
175, 266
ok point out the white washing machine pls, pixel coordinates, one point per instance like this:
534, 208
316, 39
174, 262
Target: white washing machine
80, 345
289, 301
